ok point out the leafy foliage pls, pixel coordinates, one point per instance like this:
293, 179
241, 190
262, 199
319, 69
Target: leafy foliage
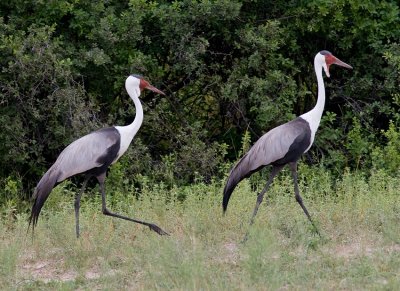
43, 106
227, 67
388, 156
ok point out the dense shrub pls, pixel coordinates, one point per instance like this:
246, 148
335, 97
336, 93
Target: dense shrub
227, 67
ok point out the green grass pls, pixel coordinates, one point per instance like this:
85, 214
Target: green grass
359, 219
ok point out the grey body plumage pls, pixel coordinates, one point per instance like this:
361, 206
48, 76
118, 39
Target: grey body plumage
281, 145
284, 144
91, 155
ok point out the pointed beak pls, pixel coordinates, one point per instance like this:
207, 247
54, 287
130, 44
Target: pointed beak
154, 89
342, 64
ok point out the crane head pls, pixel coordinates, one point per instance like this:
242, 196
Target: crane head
140, 83
329, 59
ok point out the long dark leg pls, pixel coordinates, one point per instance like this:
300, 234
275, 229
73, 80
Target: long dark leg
152, 226
78, 205
260, 197
293, 168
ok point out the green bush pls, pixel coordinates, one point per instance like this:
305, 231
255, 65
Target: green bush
387, 157
226, 66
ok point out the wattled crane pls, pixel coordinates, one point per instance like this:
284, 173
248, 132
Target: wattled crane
284, 145
91, 155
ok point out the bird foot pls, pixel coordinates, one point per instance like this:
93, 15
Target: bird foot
316, 231
157, 229
245, 238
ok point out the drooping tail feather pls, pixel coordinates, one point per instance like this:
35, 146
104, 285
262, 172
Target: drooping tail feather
42, 191
243, 169
246, 166
230, 185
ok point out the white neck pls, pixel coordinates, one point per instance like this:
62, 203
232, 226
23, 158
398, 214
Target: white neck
137, 122
314, 115
129, 131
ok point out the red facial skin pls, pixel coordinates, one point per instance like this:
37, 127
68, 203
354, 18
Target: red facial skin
143, 84
146, 85
331, 59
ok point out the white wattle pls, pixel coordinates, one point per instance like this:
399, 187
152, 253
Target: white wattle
313, 117
129, 131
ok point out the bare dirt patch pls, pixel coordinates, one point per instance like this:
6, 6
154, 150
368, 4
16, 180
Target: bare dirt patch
231, 253
53, 269
46, 271
361, 248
